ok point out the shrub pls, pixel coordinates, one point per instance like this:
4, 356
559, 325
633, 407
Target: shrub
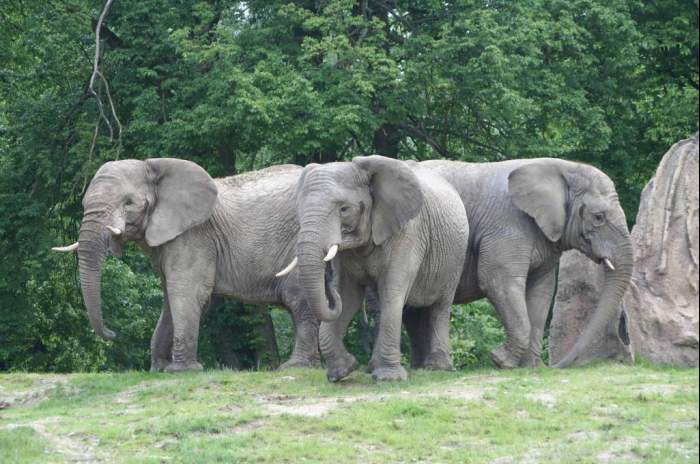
474, 331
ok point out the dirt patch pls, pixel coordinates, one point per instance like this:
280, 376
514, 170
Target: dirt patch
317, 407
283, 404
40, 390
474, 394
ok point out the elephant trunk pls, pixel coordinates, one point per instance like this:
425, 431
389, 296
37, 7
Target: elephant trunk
91, 255
616, 283
318, 278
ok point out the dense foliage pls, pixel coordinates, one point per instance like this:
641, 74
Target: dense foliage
237, 86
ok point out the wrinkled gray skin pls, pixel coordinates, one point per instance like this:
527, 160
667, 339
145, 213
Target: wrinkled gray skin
225, 237
522, 215
402, 231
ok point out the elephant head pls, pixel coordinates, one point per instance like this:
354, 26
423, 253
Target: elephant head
150, 201
576, 205
344, 206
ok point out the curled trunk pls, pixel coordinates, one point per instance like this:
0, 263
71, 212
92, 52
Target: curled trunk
318, 278
616, 283
91, 255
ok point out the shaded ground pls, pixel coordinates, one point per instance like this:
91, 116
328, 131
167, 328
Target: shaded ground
604, 413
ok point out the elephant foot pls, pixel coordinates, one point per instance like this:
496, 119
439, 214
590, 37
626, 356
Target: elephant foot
504, 359
371, 366
299, 362
438, 361
159, 365
389, 373
183, 367
341, 367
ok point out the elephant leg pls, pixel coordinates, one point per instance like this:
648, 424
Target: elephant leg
508, 297
438, 329
162, 339
387, 349
189, 291
539, 294
417, 324
339, 362
305, 352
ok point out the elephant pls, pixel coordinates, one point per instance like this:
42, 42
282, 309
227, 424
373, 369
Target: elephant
388, 225
523, 214
205, 237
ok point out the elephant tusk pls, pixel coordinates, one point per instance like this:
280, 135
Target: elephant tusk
288, 269
609, 264
114, 230
331, 253
66, 249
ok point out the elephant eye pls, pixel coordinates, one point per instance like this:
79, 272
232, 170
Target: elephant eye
599, 218
344, 209
129, 202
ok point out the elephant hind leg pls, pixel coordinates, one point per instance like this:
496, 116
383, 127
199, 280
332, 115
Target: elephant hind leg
508, 297
305, 352
438, 328
417, 324
162, 339
540, 291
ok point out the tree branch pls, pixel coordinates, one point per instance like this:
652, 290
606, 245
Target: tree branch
422, 134
95, 74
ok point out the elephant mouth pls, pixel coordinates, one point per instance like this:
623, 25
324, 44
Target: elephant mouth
331, 286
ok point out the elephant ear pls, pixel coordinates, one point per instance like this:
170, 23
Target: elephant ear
539, 189
184, 197
396, 194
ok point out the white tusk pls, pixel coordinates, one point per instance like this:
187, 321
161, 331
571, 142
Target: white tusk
331, 253
66, 249
288, 269
609, 264
114, 230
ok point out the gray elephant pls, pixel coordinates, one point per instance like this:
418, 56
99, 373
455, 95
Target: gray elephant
523, 214
390, 225
225, 237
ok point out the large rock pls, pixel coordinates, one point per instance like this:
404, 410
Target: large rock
580, 284
662, 302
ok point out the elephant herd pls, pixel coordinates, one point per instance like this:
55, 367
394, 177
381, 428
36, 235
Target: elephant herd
418, 236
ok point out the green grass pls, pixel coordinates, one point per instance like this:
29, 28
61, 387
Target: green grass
600, 413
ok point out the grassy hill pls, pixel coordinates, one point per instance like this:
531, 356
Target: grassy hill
602, 413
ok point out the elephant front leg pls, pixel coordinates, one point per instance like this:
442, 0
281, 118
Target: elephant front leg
540, 291
186, 304
387, 350
162, 339
339, 361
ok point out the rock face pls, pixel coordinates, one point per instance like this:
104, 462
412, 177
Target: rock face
662, 302
659, 314
580, 285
